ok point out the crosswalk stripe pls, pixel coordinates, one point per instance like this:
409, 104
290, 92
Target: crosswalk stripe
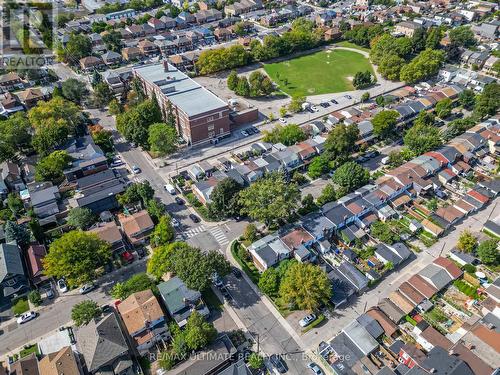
219, 236
194, 231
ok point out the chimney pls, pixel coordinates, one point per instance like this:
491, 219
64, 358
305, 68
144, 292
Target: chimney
451, 352
165, 66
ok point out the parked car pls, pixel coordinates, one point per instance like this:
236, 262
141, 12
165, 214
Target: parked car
315, 368
282, 120
87, 288
348, 97
244, 133
278, 363
127, 256
105, 308
169, 188
225, 293
306, 320
315, 109
61, 284
334, 101
136, 169
255, 130
175, 222
179, 201
218, 281
49, 292
141, 253
195, 218
26, 317
236, 272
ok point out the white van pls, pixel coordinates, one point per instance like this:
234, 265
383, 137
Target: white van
385, 160
170, 189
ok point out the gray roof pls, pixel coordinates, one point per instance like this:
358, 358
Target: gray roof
341, 285
443, 363
316, 224
492, 227
437, 276
493, 185
346, 349
182, 91
10, 260
101, 342
176, 294
387, 254
391, 310
360, 336
371, 325
358, 280
238, 368
336, 213
44, 196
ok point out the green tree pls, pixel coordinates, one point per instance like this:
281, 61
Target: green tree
288, 134
232, 80
102, 95
305, 286
443, 108
270, 199
51, 167
84, 312
73, 90
296, 104
419, 40
104, 139
434, 37
243, 87
251, 233
462, 36
18, 233
224, 199
395, 159
269, 282
425, 119
138, 192
81, 218
113, 41
15, 136
15, 204
488, 252
162, 259
134, 123
351, 176
318, 167
365, 97
383, 232
425, 65
162, 138
255, 361
467, 242
384, 123
467, 99
35, 298
390, 66
422, 138
328, 194
362, 79
115, 108
156, 209
136, 283
198, 332
488, 103
77, 46
164, 231
76, 256
341, 142
432, 204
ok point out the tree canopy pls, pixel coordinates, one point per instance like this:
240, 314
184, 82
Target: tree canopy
443, 108
224, 200
81, 218
162, 138
134, 124
288, 134
136, 283
270, 199
488, 252
351, 176
15, 136
51, 167
425, 65
84, 312
305, 286
467, 242
383, 232
488, 103
73, 90
76, 256
422, 138
341, 141
164, 232
384, 123
77, 46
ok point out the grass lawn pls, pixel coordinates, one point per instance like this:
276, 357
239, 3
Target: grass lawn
28, 350
347, 44
318, 73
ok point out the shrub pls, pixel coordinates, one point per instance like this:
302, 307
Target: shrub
20, 306
469, 268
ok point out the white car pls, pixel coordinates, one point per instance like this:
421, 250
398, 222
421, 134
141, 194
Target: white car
87, 288
315, 368
282, 120
26, 317
306, 320
175, 222
61, 284
169, 188
136, 169
244, 133
315, 109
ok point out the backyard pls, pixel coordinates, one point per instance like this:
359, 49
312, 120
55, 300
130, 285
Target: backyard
318, 73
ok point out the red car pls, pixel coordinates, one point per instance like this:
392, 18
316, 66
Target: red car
127, 257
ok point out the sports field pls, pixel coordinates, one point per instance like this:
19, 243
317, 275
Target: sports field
319, 73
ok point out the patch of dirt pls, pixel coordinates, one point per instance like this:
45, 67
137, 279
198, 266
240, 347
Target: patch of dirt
350, 78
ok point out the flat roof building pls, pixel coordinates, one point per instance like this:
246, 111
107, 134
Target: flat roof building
200, 114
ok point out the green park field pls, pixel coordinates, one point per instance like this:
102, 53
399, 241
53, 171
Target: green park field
318, 73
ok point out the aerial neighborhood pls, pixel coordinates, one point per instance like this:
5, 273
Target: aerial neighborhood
246, 187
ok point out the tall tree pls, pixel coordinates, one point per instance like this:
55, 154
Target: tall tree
84, 312
76, 256
467, 242
81, 218
467, 99
443, 108
269, 282
73, 90
425, 65
162, 138
488, 252
351, 176
51, 167
270, 199
15, 136
224, 199
102, 95
164, 232
419, 40
341, 141
17, 233
462, 36
77, 46
136, 283
422, 138
488, 103
305, 286
198, 332
134, 124
384, 123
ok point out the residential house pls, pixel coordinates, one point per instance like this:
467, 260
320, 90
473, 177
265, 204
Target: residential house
11, 176
44, 202
104, 347
87, 158
269, 251
137, 227
395, 254
13, 280
110, 233
30, 97
11, 81
407, 28
111, 58
430, 338
91, 63
25, 366
34, 256
208, 15
387, 325
61, 362
9, 104
131, 53
353, 275
147, 48
144, 320
180, 301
